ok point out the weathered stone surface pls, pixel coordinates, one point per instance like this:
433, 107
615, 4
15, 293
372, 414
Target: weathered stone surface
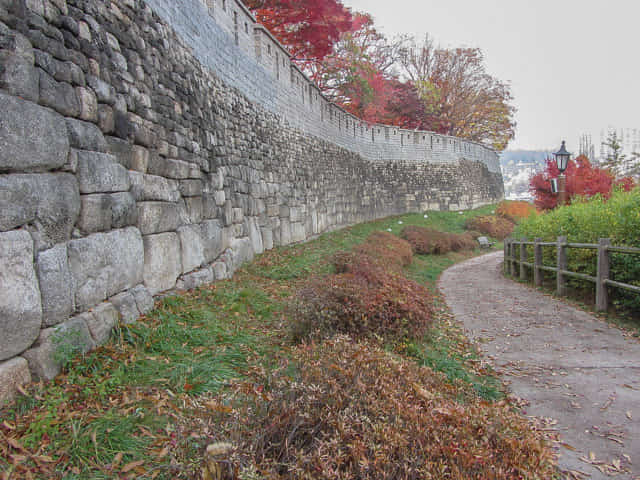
267, 238
60, 96
18, 75
56, 345
191, 247
158, 217
105, 264
13, 373
219, 271
56, 285
140, 159
170, 168
86, 136
106, 211
195, 279
105, 118
255, 235
162, 264
120, 149
213, 240
104, 92
125, 304
144, 300
100, 321
298, 232
49, 203
31, 137
242, 251
153, 188
100, 173
88, 104
20, 304
191, 188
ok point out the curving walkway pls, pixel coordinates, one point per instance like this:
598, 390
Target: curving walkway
577, 375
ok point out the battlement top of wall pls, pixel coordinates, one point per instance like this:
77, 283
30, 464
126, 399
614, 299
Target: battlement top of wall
259, 43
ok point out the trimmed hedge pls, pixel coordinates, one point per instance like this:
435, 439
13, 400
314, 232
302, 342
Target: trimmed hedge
587, 221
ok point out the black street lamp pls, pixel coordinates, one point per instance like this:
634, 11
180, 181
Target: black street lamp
562, 161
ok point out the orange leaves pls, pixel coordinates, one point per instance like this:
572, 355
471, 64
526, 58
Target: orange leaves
515, 210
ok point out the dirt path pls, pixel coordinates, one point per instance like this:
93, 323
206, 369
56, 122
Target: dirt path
577, 374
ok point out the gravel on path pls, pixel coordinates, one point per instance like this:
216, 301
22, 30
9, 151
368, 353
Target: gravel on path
575, 374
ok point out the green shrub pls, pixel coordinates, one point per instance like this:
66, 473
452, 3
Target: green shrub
587, 221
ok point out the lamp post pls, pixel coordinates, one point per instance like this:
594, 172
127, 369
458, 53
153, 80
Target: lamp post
562, 160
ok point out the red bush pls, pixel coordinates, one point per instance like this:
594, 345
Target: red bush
581, 179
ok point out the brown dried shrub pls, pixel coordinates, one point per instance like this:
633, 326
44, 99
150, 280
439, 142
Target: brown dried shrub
494, 226
368, 297
427, 241
353, 411
387, 249
366, 302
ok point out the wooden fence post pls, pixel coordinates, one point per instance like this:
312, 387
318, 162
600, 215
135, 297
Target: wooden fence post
537, 262
561, 264
604, 266
523, 258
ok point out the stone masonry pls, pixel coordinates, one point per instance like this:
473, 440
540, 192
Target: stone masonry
149, 145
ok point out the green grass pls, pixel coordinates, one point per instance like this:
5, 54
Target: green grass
148, 387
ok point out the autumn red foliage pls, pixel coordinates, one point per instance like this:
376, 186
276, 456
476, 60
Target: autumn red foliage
582, 179
309, 28
398, 82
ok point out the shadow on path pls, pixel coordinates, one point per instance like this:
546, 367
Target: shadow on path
579, 375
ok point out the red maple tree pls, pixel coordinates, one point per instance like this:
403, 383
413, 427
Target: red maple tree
582, 179
308, 28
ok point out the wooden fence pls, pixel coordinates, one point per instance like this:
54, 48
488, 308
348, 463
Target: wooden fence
515, 253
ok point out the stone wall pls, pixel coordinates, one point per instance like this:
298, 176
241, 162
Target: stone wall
149, 145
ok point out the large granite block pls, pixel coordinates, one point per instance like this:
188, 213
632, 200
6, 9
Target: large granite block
107, 211
105, 264
32, 138
20, 303
56, 285
162, 264
49, 203
191, 247
101, 173
158, 217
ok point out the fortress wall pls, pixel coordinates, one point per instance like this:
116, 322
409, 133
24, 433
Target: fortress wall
143, 148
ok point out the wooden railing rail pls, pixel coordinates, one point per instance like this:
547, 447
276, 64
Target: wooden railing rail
515, 263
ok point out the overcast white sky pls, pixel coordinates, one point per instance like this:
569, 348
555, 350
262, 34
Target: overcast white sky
574, 65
